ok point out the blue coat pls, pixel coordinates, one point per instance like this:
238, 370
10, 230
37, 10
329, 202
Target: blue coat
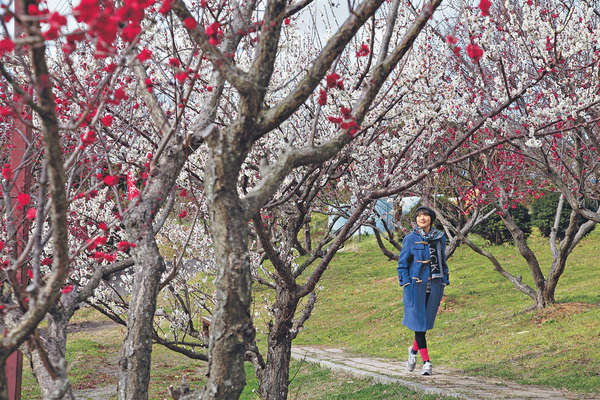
413, 274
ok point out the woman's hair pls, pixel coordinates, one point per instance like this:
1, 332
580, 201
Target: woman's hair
426, 210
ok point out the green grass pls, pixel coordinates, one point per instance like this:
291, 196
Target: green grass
93, 358
482, 329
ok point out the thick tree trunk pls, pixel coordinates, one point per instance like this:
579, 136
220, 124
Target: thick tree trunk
136, 353
273, 380
232, 327
54, 341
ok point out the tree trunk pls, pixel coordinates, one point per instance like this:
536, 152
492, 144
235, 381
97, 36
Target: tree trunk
273, 380
232, 327
548, 295
54, 341
307, 240
134, 364
3, 381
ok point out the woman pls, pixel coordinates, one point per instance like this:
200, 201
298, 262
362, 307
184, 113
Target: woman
423, 273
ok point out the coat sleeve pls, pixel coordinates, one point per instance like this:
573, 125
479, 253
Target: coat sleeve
404, 262
445, 273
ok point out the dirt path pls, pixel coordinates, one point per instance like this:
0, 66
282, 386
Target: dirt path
443, 381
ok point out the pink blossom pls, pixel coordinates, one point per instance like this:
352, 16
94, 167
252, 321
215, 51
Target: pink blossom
23, 199
111, 180
6, 46
474, 52
31, 213
484, 5
190, 23
107, 120
67, 289
323, 97
451, 39
144, 55
332, 80
181, 76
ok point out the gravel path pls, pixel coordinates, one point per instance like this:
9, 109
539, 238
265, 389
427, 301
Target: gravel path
443, 381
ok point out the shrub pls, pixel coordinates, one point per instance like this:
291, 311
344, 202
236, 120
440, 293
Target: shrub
494, 230
543, 211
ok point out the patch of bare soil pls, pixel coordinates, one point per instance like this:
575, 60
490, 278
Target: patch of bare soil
560, 311
447, 305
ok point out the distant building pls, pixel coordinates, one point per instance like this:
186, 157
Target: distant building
384, 211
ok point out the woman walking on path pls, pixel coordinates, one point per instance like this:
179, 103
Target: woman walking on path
423, 273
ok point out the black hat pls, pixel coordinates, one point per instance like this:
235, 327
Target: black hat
427, 211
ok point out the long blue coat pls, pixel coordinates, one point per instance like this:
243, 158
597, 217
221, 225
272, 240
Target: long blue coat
413, 274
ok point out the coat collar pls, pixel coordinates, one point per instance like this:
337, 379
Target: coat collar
433, 234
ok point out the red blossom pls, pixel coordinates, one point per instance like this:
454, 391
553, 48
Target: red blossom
32, 9
190, 23
88, 138
120, 95
100, 241
87, 10
484, 5
29, 273
7, 171
1, 245
149, 86
102, 225
130, 32
67, 289
6, 46
181, 76
165, 7
451, 39
332, 80
286, 21
111, 180
107, 120
50, 34
212, 29
5, 111
144, 55
124, 245
132, 190
364, 51
23, 199
182, 214
346, 112
474, 52
31, 213
110, 68
173, 62
323, 97
56, 20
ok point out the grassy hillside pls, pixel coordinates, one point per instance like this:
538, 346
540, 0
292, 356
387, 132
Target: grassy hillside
482, 329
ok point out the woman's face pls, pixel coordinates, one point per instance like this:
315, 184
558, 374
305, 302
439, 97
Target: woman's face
423, 221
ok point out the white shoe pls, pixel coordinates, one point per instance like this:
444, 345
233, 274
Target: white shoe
412, 360
426, 368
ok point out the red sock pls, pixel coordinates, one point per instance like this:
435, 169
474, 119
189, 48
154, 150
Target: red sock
424, 354
415, 346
